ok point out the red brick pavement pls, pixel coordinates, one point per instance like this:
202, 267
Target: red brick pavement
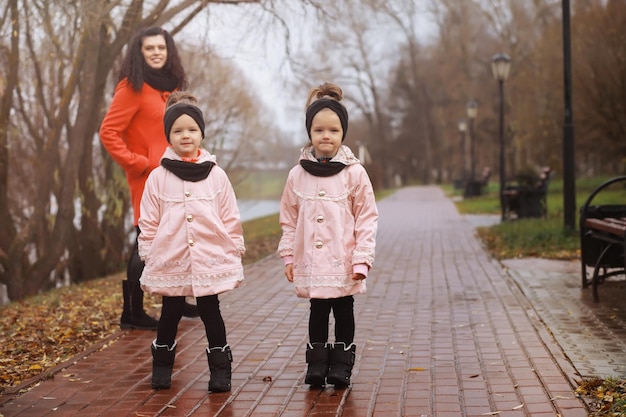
443, 331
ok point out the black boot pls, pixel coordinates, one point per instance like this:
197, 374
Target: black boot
219, 364
341, 358
317, 358
133, 314
162, 364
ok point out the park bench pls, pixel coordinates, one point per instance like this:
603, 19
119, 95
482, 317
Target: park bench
527, 197
602, 239
476, 187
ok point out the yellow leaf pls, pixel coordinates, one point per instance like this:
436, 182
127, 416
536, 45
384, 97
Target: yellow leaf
35, 368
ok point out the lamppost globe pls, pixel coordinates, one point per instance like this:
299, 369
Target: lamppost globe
472, 109
500, 66
462, 126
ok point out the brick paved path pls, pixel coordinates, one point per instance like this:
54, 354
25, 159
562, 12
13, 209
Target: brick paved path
443, 331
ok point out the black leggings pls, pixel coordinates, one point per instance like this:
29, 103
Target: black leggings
343, 311
209, 310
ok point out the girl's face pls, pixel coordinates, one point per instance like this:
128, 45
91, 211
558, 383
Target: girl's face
326, 133
154, 50
185, 136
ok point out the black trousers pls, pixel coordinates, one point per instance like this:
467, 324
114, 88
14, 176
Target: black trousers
209, 310
343, 311
135, 265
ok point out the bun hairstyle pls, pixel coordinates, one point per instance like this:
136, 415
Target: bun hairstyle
325, 90
181, 97
177, 104
327, 95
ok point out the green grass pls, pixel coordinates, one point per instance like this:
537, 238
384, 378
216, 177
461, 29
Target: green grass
543, 238
260, 185
546, 238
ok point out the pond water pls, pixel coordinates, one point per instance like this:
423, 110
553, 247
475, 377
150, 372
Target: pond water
252, 209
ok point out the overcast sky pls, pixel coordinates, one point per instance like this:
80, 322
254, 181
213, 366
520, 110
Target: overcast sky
237, 34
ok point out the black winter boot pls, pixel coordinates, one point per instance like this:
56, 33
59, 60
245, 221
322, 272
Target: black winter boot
341, 358
133, 314
220, 359
162, 364
317, 358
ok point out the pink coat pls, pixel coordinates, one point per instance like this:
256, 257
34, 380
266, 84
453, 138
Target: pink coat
191, 236
329, 227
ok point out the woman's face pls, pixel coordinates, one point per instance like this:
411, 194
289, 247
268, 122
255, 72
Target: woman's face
154, 50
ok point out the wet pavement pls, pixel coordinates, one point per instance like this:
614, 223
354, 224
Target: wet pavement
592, 335
444, 330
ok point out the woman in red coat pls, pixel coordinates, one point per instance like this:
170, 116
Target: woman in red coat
132, 133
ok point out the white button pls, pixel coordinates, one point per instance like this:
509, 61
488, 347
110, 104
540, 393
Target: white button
190, 242
187, 194
189, 218
321, 193
319, 219
319, 245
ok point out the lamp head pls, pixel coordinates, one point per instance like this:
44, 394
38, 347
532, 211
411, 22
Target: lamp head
500, 65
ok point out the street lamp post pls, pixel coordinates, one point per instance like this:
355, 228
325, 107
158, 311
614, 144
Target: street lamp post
462, 129
569, 170
472, 110
500, 65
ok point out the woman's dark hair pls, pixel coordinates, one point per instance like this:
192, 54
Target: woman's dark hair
134, 65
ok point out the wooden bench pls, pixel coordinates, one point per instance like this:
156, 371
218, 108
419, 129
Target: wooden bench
602, 239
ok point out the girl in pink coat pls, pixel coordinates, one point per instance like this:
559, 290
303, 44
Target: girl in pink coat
328, 218
191, 242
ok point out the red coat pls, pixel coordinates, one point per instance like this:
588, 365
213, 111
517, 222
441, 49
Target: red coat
133, 134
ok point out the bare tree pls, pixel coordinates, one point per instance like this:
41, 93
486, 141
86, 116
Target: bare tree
63, 52
63, 203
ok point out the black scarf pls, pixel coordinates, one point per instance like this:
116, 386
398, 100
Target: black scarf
160, 80
322, 169
188, 171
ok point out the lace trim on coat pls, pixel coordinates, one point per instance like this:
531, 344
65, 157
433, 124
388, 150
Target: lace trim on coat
319, 281
363, 257
193, 280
